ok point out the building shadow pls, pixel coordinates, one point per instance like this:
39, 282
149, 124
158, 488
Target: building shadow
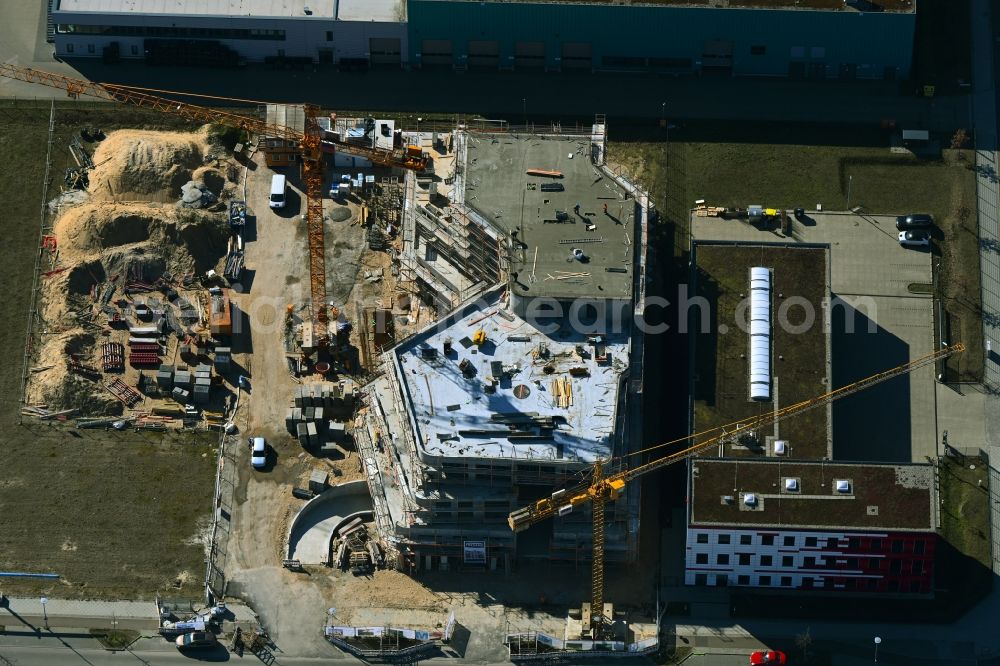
873, 425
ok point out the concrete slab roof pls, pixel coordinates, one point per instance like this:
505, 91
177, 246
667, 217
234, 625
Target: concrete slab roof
877, 496
256, 8
457, 416
548, 224
903, 6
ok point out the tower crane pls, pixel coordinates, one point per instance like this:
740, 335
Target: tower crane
608, 480
309, 141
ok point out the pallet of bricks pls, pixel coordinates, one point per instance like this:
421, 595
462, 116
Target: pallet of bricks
113, 357
143, 352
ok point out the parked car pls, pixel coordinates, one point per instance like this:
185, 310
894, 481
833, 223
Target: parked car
767, 657
915, 238
196, 639
258, 452
914, 221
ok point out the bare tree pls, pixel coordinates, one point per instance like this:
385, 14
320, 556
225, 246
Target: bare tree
804, 641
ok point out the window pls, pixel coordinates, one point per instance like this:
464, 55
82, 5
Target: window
807, 581
765, 560
828, 583
69, 48
875, 544
897, 546
722, 558
809, 562
787, 561
918, 547
746, 539
894, 586
91, 48
281, 53
465, 505
831, 542
817, 52
854, 543
767, 540
786, 581
789, 541
721, 580
135, 50
744, 558
914, 586
623, 61
701, 579
851, 563
874, 563
329, 35
680, 63
701, 538
811, 542
895, 566
917, 568
743, 580
701, 558
758, 50
797, 52
723, 538
764, 581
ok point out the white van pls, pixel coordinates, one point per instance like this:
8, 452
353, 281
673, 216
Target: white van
278, 191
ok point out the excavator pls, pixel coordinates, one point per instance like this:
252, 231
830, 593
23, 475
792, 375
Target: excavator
309, 141
609, 479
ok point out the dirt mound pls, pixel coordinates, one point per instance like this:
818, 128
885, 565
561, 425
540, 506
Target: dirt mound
146, 165
58, 388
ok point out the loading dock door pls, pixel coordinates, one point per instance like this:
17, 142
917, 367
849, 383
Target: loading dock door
529, 54
385, 51
436, 52
577, 55
484, 53
717, 57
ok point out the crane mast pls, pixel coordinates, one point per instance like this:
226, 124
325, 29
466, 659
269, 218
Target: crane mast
603, 486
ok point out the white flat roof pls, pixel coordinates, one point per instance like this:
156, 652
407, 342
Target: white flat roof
261, 8
390, 11
457, 417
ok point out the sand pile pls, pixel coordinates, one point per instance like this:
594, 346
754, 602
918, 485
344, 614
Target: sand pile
140, 165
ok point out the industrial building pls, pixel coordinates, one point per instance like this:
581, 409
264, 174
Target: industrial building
515, 392
771, 510
815, 39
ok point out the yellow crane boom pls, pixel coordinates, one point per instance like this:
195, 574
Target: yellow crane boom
603, 486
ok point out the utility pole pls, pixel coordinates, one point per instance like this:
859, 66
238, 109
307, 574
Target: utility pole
45, 614
850, 181
878, 641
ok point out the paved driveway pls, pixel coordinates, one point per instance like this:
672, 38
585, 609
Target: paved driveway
881, 325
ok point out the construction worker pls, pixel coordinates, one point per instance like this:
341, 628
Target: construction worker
605, 209
576, 209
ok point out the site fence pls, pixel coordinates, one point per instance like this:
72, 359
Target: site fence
44, 227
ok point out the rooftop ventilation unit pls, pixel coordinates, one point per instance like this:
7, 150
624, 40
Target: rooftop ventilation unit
842, 485
727, 500
750, 499
760, 333
792, 485
780, 447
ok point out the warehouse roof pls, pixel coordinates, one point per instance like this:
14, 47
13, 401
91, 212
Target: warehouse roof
545, 226
457, 415
812, 494
903, 6
344, 10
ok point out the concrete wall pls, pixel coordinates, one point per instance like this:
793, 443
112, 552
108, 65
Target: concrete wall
304, 37
564, 32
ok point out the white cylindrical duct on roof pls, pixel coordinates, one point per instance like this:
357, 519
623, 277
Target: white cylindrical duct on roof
760, 333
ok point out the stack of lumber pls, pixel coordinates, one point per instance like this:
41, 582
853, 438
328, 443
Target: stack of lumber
562, 392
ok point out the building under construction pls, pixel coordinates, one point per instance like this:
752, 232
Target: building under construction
534, 254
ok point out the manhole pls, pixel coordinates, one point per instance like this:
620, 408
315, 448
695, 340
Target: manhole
521, 391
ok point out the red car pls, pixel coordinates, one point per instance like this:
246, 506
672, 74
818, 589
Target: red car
767, 657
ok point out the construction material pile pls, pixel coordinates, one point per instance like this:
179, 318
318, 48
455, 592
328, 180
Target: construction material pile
128, 240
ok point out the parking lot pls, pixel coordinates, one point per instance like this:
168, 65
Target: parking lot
883, 318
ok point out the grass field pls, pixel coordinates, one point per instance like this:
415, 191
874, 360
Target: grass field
115, 514
790, 166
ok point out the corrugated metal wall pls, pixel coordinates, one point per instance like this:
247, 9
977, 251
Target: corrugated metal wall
751, 42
